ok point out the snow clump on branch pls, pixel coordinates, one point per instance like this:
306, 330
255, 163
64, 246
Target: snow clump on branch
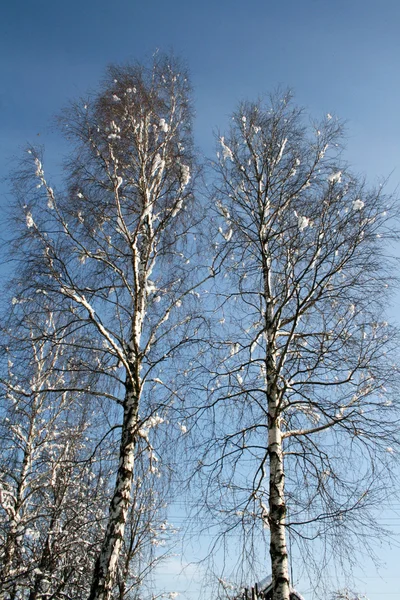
185, 173
182, 427
226, 151
303, 222
335, 177
158, 163
29, 220
164, 126
358, 204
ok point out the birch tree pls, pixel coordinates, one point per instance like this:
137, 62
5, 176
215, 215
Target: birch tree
55, 475
49, 496
305, 421
112, 249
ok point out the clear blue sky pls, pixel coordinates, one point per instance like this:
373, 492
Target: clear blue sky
340, 57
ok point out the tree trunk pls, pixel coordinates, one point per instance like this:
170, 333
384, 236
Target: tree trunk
12, 537
105, 571
277, 506
277, 513
47, 564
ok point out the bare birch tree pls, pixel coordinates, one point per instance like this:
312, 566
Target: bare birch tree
305, 430
49, 497
55, 475
112, 251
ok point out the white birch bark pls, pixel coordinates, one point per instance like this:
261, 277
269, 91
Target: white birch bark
277, 505
15, 513
107, 562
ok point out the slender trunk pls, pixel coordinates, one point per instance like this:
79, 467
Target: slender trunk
7, 571
105, 570
277, 511
11, 547
37, 593
48, 560
277, 506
